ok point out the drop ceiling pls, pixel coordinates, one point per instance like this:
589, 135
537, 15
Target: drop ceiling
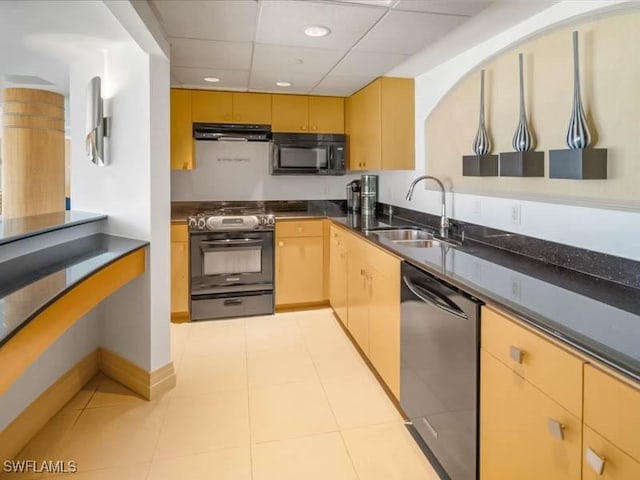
252, 44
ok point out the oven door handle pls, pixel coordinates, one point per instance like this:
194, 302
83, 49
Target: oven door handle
233, 241
435, 299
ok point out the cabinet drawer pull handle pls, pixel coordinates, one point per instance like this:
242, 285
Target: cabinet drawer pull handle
556, 429
595, 461
516, 354
299, 229
281, 244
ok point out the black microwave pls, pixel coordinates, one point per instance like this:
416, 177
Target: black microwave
308, 154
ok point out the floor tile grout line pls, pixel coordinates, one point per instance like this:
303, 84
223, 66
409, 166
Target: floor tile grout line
246, 359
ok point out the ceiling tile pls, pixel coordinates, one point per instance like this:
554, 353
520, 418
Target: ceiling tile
283, 22
279, 58
367, 63
341, 85
266, 82
228, 20
229, 79
457, 7
210, 54
407, 32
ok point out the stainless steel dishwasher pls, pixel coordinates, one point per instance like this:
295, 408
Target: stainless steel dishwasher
440, 341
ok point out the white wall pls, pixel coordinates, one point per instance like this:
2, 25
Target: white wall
133, 189
240, 171
613, 231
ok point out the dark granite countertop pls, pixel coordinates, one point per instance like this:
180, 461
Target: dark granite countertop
595, 315
30, 283
14, 229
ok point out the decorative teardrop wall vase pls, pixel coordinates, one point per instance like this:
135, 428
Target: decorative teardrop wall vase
578, 135
481, 144
522, 138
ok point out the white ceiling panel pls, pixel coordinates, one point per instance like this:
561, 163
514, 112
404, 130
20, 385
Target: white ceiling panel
407, 32
278, 58
208, 54
228, 20
341, 85
367, 63
194, 77
456, 7
283, 22
266, 82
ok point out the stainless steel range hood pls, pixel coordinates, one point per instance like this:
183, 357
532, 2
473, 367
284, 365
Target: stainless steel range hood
231, 132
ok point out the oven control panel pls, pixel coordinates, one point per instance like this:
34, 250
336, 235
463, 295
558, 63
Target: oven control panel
227, 223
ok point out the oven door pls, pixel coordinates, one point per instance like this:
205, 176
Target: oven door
224, 259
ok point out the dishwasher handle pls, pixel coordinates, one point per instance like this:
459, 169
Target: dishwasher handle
434, 298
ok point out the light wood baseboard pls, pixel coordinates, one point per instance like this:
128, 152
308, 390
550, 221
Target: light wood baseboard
144, 383
24, 427
295, 307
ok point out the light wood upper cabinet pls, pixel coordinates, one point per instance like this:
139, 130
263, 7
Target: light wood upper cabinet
212, 107
179, 270
252, 108
299, 262
381, 119
181, 130
307, 114
516, 438
326, 114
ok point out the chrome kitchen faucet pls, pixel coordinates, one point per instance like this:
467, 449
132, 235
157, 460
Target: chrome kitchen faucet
444, 221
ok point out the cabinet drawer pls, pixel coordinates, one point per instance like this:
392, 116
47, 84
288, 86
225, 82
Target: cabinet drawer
546, 365
616, 465
612, 408
298, 228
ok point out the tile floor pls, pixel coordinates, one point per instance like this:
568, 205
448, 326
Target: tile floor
283, 397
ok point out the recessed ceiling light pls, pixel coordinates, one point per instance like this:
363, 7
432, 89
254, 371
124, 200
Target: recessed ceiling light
211, 79
284, 84
317, 31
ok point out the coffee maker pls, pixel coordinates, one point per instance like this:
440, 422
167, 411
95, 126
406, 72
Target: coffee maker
353, 196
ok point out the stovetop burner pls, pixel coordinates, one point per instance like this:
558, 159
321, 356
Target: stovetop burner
232, 218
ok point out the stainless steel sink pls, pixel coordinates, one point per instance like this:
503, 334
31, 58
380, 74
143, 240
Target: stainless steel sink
403, 234
419, 243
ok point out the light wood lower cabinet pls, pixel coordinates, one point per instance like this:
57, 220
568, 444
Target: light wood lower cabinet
521, 429
179, 271
338, 281
299, 276
603, 460
366, 297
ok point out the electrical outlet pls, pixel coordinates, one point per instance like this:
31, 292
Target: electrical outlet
516, 288
516, 214
477, 207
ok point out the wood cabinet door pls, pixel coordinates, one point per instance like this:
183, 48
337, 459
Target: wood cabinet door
358, 298
210, 106
365, 134
299, 270
398, 119
252, 108
602, 460
326, 114
181, 130
290, 113
338, 277
516, 440
179, 269
384, 326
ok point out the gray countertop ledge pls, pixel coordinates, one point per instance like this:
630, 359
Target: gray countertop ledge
32, 282
14, 229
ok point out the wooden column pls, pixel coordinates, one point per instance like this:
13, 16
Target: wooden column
33, 170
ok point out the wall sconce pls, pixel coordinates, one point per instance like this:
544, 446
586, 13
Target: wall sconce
97, 124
